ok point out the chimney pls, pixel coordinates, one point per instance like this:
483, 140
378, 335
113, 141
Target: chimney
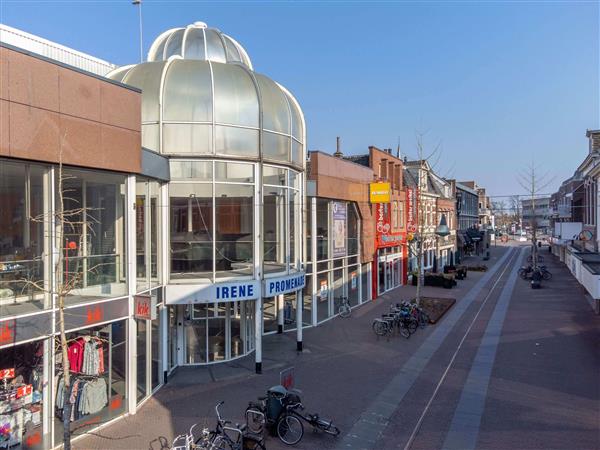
594, 139
338, 153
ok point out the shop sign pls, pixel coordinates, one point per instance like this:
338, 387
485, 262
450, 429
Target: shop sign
90, 315
379, 192
144, 307
411, 210
13, 331
385, 237
339, 229
177, 294
283, 285
24, 391
324, 291
6, 374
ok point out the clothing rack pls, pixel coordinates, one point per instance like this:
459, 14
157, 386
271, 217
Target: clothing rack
103, 335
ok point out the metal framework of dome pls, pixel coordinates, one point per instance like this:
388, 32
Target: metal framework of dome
195, 106
197, 41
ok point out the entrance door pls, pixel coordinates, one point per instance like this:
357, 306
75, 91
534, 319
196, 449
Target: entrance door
380, 277
389, 276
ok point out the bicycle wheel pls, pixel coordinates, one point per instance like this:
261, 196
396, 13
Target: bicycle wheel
289, 429
423, 319
412, 325
404, 330
221, 443
546, 275
380, 328
523, 274
252, 443
345, 311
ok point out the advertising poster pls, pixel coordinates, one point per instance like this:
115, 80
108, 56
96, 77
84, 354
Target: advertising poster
411, 210
353, 281
323, 291
339, 229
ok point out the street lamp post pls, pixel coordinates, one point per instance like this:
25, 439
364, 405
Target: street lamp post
138, 3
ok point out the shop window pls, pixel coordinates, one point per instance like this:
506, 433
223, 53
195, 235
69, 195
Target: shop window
294, 203
352, 286
140, 232
322, 229
364, 280
269, 315
308, 232
191, 231
21, 238
142, 355
234, 237
274, 176
323, 295
274, 229
289, 311
154, 231
353, 231
307, 302
21, 400
98, 361
237, 335
93, 234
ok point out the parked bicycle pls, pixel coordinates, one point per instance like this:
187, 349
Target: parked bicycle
282, 416
403, 317
344, 308
225, 436
525, 272
290, 429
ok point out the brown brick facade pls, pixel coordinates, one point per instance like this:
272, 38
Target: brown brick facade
46, 108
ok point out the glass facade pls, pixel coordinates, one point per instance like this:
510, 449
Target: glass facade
24, 196
82, 213
389, 268
336, 243
218, 331
231, 213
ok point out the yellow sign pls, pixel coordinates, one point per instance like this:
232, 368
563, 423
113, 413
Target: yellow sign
380, 192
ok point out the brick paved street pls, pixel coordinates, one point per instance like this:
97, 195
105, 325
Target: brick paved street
543, 385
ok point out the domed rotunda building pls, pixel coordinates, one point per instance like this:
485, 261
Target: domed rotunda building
235, 143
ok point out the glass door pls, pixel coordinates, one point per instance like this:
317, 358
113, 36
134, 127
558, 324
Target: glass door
249, 308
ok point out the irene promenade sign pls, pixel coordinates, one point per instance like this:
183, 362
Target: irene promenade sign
283, 285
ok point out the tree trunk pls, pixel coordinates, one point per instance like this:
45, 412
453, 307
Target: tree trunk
66, 376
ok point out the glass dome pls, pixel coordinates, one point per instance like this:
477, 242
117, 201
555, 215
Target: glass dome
193, 106
197, 41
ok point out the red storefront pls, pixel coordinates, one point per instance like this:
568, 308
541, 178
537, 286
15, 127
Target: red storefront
389, 264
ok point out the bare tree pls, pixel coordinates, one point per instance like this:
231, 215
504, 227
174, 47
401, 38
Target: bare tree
534, 184
499, 211
422, 157
67, 218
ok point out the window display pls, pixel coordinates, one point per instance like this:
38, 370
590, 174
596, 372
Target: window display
21, 376
97, 366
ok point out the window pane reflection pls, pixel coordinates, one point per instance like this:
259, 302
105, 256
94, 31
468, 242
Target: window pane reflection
234, 208
191, 230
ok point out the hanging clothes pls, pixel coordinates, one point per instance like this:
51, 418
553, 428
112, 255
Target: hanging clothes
86, 356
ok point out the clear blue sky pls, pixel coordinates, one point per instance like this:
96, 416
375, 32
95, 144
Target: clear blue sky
496, 83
